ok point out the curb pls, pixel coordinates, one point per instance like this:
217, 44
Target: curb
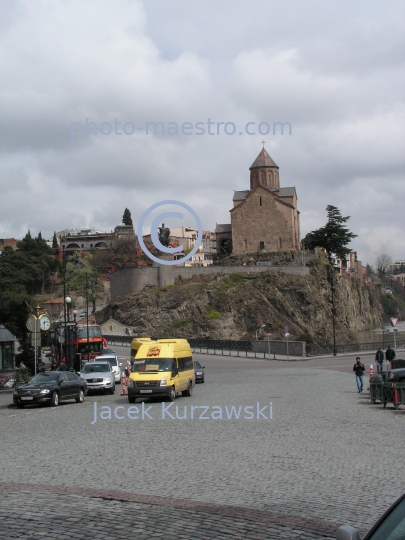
9, 406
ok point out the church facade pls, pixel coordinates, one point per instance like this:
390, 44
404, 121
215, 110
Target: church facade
264, 217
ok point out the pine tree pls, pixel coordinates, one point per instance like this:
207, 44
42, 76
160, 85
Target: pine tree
333, 237
55, 241
39, 237
126, 218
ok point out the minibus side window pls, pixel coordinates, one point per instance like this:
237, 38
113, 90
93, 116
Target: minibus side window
188, 363
181, 363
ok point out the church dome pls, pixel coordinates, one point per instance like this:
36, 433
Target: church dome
263, 160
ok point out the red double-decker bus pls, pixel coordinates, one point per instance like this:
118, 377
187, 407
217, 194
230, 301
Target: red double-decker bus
90, 341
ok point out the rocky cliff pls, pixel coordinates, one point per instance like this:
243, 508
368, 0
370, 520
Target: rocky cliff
235, 306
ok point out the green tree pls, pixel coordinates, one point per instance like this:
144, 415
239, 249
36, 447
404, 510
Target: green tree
121, 253
23, 273
54, 241
29, 265
126, 218
333, 237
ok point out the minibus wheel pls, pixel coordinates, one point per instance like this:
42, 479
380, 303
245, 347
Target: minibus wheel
189, 390
172, 395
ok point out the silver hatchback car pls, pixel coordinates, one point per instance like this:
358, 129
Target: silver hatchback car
115, 365
98, 376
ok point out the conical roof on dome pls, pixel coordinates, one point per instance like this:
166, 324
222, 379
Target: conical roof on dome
263, 160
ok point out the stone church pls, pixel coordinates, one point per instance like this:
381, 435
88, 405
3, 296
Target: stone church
264, 217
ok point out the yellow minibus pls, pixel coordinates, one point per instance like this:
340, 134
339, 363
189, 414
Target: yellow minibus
162, 368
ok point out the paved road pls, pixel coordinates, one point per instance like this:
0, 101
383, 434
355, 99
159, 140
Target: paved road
317, 463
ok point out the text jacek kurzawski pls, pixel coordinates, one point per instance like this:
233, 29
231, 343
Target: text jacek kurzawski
170, 411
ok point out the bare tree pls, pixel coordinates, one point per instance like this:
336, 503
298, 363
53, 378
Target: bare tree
382, 264
121, 253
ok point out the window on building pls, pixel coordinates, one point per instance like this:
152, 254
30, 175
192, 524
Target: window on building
261, 245
281, 243
261, 201
245, 242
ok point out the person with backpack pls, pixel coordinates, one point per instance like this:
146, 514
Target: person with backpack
359, 370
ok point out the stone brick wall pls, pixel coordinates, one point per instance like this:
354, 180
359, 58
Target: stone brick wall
135, 279
132, 280
253, 223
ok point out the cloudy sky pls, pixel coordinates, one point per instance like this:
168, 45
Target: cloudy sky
334, 70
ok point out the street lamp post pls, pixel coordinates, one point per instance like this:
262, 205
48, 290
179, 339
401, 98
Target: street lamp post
268, 342
76, 364
287, 335
64, 305
383, 332
68, 300
87, 318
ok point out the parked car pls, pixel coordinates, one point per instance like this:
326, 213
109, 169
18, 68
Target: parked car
52, 388
112, 358
98, 376
390, 525
199, 372
397, 375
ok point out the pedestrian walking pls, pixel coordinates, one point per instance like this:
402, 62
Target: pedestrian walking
54, 366
389, 357
379, 359
359, 370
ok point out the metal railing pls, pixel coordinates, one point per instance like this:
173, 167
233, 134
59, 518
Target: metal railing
317, 350
219, 346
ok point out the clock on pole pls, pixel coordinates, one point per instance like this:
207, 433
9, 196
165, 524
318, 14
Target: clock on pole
44, 322
30, 323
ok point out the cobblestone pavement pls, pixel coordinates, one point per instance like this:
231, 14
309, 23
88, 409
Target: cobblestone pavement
319, 462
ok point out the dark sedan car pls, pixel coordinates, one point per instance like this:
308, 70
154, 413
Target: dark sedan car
199, 372
51, 388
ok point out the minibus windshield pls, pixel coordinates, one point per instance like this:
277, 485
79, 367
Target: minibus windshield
153, 364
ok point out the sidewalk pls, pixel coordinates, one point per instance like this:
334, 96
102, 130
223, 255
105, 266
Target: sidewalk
6, 398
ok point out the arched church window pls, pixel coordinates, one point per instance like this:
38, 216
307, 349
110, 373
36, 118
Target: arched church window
261, 201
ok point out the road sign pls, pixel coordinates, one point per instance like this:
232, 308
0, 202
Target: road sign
286, 334
394, 321
268, 334
286, 329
